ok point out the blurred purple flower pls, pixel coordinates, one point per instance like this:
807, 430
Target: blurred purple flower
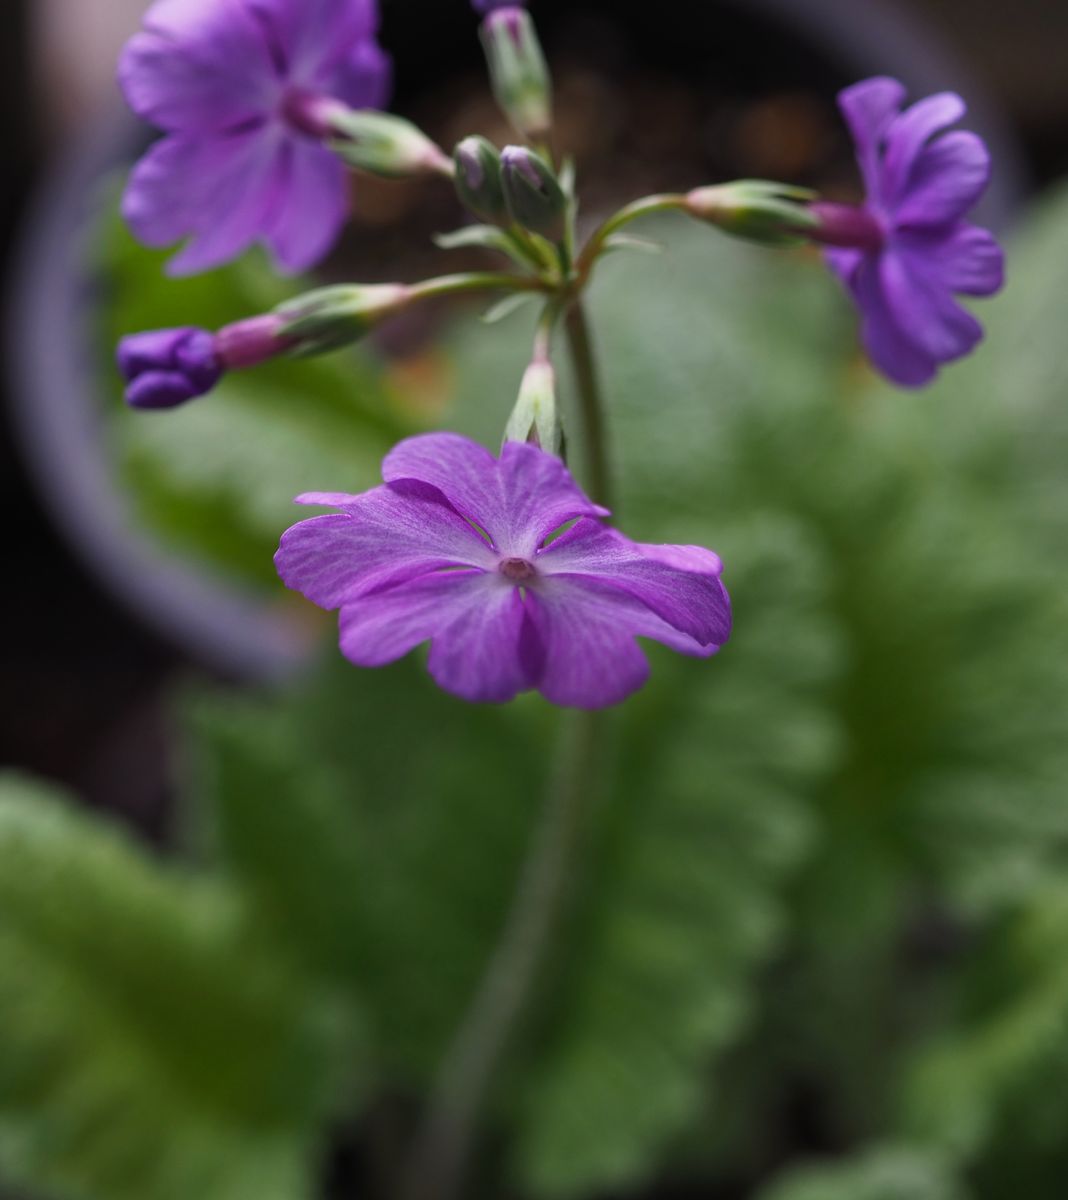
907, 250
235, 85
455, 548
488, 6
164, 368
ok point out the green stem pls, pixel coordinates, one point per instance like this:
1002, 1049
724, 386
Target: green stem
639, 208
481, 281
599, 477
441, 1161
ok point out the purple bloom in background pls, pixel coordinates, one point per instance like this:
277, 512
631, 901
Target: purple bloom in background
234, 84
487, 6
906, 252
454, 550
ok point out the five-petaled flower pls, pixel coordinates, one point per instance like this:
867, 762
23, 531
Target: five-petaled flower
235, 85
907, 250
457, 548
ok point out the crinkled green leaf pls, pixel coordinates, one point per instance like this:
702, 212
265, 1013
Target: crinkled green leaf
887, 1173
153, 1048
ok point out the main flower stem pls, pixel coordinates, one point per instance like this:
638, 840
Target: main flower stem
441, 1160
591, 408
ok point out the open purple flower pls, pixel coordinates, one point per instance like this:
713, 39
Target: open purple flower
235, 85
907, 250
456, 549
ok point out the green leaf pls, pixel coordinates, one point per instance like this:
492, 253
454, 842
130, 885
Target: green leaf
153, 1048
1007, 1059
886, 1173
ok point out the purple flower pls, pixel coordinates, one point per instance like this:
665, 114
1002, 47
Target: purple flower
167, 367
488, 6
907, 250
456, 549
235, 85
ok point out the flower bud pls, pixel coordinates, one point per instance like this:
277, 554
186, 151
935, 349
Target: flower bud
332, 317
534, 195
518, 71
536, 416
771, 213
378, 142
478, 180
166, 367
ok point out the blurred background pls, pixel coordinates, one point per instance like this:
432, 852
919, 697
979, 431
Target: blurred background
827, 910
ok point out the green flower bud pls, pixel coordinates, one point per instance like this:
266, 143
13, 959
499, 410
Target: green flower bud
534, 195
478, 180
518, 71
536, 416
774, 214
331, 317
382, 143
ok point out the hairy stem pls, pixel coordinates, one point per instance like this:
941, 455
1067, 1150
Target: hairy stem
591, 407
441, 1160
639, 208
442, 1156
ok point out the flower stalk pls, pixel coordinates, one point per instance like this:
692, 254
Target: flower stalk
440, 1164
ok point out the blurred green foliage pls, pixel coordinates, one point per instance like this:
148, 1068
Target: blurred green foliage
824, 900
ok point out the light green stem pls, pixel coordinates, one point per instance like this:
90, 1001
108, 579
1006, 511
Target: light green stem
440, 1163
482, 281
591, 408
639, 208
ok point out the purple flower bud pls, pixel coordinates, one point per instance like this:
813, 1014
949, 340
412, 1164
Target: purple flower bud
519, 73
478, 179
535, 198
167, 367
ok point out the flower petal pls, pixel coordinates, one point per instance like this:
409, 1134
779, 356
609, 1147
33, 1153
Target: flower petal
518, 500
924, 309
218, 189
315, 35
947, 180
886, 343
689, 598
198, 65
907, 137
843, 262
869, 107
586, 630
364, 79
474, 621
966, 258
383, 537
311, 207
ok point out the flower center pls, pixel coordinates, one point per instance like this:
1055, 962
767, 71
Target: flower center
518, 570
